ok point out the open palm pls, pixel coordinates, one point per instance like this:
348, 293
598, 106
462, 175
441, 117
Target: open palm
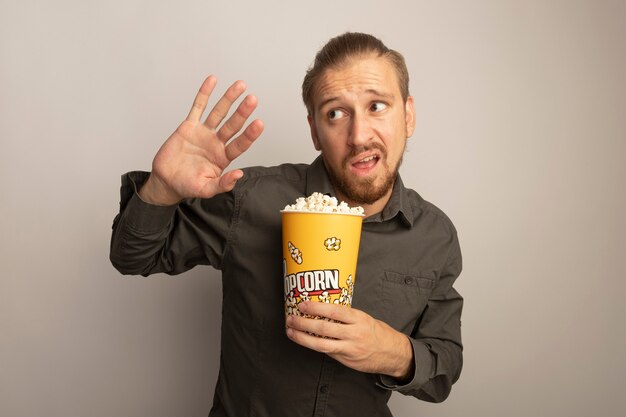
192, 162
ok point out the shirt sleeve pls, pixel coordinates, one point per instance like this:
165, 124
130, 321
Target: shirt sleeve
147, 238
436, 339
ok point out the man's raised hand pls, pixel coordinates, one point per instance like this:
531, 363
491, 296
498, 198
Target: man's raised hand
192, 160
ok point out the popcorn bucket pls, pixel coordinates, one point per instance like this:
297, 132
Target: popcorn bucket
320, 253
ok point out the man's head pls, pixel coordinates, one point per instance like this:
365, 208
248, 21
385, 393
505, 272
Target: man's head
360, 115
344, 48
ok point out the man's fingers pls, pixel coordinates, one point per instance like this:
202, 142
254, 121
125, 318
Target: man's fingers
317, 327
242, 142
223, 184
220, 110
202, 98
316, 343
229, 179
332, 311
237, 120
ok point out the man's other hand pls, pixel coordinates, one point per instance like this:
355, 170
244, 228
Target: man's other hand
353, 338
192, 161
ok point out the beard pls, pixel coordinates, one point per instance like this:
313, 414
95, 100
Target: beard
364, 190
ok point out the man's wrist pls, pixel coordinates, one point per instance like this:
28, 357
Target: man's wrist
405, 368
154, 192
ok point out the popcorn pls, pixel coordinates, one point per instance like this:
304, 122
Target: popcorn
324, 297
345, 298
321, 203
319, 252
332, 243
296, 255
291, 305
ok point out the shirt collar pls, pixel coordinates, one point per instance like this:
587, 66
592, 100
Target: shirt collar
317, 181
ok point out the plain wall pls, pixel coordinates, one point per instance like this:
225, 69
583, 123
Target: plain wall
520, 139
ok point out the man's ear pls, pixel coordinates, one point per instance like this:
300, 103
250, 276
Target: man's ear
409, 111
316, 141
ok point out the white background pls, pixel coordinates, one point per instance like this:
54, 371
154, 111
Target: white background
520, 139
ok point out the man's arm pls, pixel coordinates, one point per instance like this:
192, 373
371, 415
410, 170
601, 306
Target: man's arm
151, 232
436, 340
424, 365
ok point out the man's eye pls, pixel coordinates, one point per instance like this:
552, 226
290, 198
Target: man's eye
335, 114
378, 106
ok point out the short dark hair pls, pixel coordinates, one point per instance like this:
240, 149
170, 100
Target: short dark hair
339, 50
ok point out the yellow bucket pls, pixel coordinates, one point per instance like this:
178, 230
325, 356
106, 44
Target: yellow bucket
320, 252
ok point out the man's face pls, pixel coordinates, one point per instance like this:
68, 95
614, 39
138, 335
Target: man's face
360, 124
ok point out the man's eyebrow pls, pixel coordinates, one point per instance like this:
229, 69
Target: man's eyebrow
373, 91
383, 94
326, 101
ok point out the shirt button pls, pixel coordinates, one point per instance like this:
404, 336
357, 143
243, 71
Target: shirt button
324, 389
408, 280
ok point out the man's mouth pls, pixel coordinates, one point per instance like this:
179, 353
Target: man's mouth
364, 165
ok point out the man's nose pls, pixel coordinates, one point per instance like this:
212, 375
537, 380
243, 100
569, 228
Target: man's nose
361, 131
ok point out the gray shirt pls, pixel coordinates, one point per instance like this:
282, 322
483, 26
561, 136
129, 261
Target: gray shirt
409, 258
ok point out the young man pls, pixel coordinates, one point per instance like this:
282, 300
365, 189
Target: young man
403, 332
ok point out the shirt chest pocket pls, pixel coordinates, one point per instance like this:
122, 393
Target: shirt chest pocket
404, 298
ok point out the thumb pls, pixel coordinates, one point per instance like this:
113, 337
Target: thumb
229, 179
